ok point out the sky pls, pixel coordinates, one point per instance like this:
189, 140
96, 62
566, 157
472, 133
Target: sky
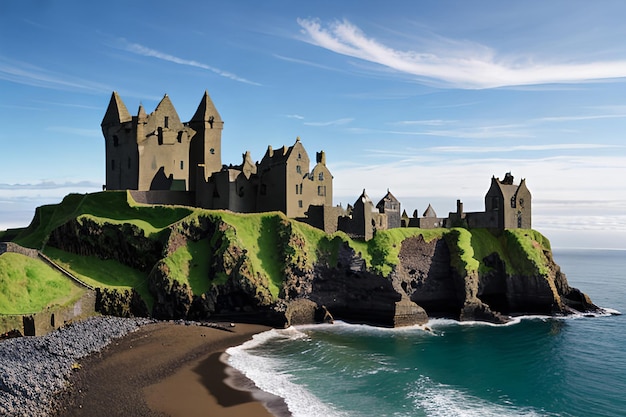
428, 99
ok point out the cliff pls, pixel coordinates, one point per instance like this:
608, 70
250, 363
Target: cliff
199, 264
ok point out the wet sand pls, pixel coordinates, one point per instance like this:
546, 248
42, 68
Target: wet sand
167, 369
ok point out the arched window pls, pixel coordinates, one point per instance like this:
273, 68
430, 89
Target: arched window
320, 176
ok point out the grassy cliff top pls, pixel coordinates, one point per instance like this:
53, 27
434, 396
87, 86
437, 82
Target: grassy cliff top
270, 241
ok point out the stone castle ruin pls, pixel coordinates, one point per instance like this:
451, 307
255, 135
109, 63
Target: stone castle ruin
162, 160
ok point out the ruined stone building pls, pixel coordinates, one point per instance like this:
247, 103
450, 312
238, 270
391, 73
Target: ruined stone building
163, 160
507, 206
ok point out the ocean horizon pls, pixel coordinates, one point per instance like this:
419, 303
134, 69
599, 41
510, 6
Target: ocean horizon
533, 366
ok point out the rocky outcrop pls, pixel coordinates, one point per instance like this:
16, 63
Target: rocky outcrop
123, 242
120, 303
438, 277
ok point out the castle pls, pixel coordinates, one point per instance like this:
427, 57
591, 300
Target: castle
162, 160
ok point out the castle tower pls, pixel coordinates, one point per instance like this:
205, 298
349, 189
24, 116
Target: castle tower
120, 143
509, 203
206, 145
390, 206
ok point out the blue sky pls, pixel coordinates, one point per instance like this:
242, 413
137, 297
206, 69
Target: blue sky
426, 98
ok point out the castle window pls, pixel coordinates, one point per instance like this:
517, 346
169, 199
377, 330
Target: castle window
298, 169
297, 188
300, 203
300, 188
513, 202
519, 220
299, 156
321, 190
182, 164
521, 202
212, 151
166, 122
320, 176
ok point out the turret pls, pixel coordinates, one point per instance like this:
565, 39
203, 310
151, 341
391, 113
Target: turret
116, 113
206, 145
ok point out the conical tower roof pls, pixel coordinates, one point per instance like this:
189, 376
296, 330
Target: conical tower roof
430, 212
206, 110
387, 198
116, 112
141, 113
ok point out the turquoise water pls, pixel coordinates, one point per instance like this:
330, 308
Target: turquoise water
537, 366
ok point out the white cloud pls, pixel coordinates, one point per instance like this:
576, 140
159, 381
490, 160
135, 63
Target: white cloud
434, 122
579, 118
145, 51
518, 148
294, 116
32, 75
48, 185
456, 64
330, 123
75, 131
565, 190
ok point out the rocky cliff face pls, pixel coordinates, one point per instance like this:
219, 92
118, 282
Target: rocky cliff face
429, 278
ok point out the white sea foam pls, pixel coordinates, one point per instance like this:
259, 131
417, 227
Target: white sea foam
342, 326
264, 372
436, 399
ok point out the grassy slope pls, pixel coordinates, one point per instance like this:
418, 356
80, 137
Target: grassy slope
263, 236
114, 206
29, 285
103, 273
188, 265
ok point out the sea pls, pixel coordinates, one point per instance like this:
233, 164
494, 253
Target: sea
534, 366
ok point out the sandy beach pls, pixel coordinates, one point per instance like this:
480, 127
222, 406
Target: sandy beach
167, 369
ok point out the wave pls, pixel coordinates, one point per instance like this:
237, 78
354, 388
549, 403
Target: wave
264, 372
436, 399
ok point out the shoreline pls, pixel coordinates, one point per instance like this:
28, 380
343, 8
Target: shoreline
168, 369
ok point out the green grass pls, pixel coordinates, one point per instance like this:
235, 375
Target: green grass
459, 242
525, 248
111, 205
29, 285
258, 234
103, 273
189, 265
384, 248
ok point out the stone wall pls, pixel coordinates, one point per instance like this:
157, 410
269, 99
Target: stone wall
53, 317
181, 198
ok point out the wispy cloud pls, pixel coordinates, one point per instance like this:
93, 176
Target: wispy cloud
521, 148
434, 122
580, 118
294, 116
330, 123
75, 131
305, 62
32, 75
49, 185
455, 64
153, 53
